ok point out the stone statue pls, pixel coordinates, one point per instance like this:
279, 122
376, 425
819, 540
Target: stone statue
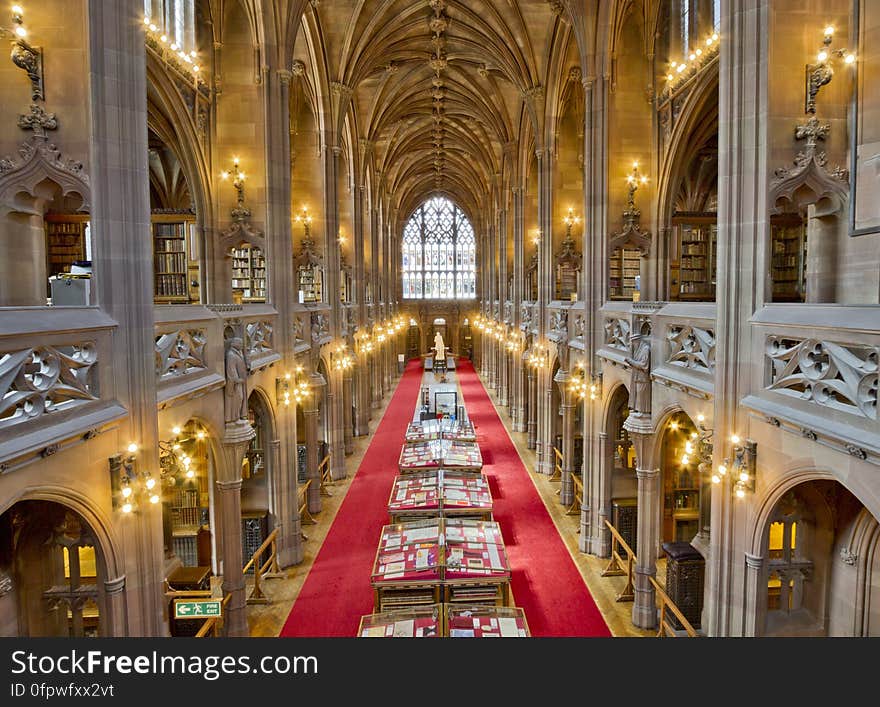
236, 377
439, 348
640, 366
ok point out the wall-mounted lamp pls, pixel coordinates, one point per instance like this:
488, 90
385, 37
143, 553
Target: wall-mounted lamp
821, 73
292, 386
340, 358
25, 56
700, 54
536, 237
569, 221
741, 471
539, 357
129, 487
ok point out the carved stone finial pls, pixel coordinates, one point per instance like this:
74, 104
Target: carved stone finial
38, 120
298, 67
557, 7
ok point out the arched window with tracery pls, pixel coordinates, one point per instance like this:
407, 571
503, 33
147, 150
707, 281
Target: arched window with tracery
439, 253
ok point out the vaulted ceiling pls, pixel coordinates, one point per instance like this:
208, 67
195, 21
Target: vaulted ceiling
438, 87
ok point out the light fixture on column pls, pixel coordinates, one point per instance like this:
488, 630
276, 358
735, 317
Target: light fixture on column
339, 357
305, 219
693, 62
821, 73
129, 487
741, 470
238, 177
569, 221
170, 51
538, 357
536, 237
26, 57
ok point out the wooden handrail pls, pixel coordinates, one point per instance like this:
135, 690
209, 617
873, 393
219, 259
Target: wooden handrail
268, 570
665, 628
213, 624
578, 496
557, 467
303, 502
614, 568
324, 475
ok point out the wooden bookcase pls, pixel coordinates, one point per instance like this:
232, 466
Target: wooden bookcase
681, 483
693, 263
65, 241
311, 282
249, 273
788, 254
623, 267
172, 266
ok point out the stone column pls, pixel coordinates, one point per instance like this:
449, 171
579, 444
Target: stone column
744, 140
503, 382
310, 416
375, 387
644, 612
566, 489
532, 424
346, 411
595, 536
282, 502
227, 520
546, 458
114, 621
755, 595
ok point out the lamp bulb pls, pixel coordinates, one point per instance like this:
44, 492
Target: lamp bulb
701, 417
735, 439
21, 32
190, 473
150, 483
743, 476
132, 448
153, 27
722, 470
126, 508
823, 55
126, 491
716, 479
829, 30
740, 492
154, 499
850, 58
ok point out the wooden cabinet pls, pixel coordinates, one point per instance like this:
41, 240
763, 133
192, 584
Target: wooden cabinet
693, 262
788, 254
249, 273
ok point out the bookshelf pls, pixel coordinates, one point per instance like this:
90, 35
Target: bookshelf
311, 282
189, 504
66, 237
788, 248
249, 273
693, 273
170, 262
624, 266
681, 480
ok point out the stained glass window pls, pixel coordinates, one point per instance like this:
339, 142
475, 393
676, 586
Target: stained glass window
439, 253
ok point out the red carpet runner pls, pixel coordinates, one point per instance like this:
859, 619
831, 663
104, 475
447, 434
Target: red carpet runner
546, 584
337, 591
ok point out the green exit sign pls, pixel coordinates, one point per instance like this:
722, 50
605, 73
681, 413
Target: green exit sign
196, 609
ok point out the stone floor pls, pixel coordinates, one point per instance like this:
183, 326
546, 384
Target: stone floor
268, 619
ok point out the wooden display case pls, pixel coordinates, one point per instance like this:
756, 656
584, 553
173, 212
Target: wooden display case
446, 620
249, 273
422, 622
693, 263
451, 560
443, 492
788, 255
436, 453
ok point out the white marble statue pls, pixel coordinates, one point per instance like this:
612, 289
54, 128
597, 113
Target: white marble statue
439, 347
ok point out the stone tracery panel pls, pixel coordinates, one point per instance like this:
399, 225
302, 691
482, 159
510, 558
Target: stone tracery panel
45, 379
691, 347
830, 374
180, 352
617, 333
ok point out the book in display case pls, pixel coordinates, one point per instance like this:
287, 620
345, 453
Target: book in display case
453, 560
446, 621
443, 492
445, 428
448, 453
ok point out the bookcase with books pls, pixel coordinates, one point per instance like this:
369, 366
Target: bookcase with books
66, 237
693, 264
249, 273
189, 504
311, 282
623, 267
171, 268
788, 255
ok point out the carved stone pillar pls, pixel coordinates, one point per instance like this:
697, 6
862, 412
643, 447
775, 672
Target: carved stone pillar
310, 416
282, 503
532, 423
375, 388
227, 520
755, 604
641, 431
600, 538
503, 382
114, 619
566, 489
546, 458
347, 412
